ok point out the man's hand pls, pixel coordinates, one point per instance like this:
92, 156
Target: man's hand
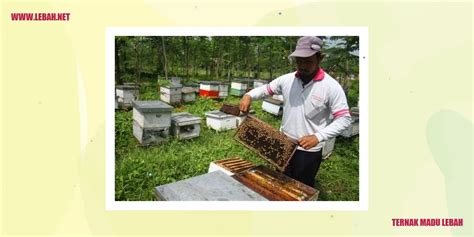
308, 142
245, 103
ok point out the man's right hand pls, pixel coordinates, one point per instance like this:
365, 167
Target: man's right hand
245, 103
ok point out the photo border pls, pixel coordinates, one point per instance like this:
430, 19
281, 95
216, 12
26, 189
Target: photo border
112, 205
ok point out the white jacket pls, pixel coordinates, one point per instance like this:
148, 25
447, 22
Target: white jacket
319, 108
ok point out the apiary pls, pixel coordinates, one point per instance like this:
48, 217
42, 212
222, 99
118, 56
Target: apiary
276, 186
214, 186
272, 106
238, 87
209, 89
259, 83
126, 94
171, 94
230, 166
266, 141
188, 94
328, 147
220, 121
185, 125
223, 90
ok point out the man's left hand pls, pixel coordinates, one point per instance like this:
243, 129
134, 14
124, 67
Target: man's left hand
307, 142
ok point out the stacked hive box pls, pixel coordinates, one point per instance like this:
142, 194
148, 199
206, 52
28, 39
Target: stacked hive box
126, 94
259, 83
171, 94
328, 147
209, 89
223, 90
185, 125
188, 94
151, 121
240, 86
220, 121
272, 106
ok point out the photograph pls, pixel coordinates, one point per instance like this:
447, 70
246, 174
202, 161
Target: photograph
236, 118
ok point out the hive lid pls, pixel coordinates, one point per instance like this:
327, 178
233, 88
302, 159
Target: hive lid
173, 86
272, 145
152, 106
210, 82
187, 90
184, 117
217, 114
127, 87
273, 101
275, 186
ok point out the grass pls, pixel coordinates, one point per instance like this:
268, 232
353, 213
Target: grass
139, 169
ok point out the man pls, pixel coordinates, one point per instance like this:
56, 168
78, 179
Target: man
312, 99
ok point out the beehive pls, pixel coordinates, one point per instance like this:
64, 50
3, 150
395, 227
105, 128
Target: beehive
151, 121
272, 106
230, 109
259, 83
269, 143
328, 147
171, 94
240, 86
150, 136
354, 127
188, 94
175, 80
152, 114
194, 86
275, 186
220, 121
126, 94
223, 90
185, 125
230, 166
214, 186
209, 89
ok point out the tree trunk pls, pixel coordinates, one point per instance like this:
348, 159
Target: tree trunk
118, 78
165, 61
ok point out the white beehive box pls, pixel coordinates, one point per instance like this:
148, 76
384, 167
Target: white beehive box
328, 147
194, 86
258, 83
272, 106
220, 121
150, 136
152, 114
185, 125
188, 94
209, 85
239, 85
171, 94
126, 94
223, 90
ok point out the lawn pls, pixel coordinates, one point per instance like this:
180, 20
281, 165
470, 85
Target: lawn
139, 169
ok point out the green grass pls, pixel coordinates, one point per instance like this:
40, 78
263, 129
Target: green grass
139, 169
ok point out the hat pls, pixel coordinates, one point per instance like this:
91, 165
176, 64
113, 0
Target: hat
307, 46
